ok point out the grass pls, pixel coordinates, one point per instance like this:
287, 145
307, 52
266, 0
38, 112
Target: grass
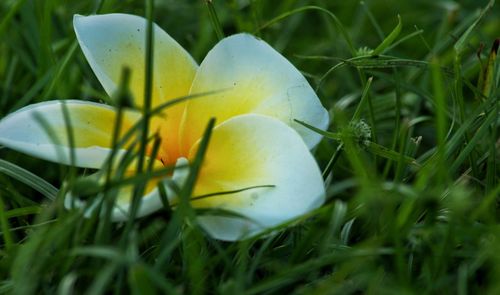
410, 161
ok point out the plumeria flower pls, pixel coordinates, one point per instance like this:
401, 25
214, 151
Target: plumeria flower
255, 142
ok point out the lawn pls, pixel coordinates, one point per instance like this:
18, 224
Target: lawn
410, 159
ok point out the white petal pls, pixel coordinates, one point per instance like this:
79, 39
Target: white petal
150, 202
111, 42
252, 78
92, 125
254, 150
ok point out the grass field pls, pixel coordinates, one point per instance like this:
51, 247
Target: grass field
410, 160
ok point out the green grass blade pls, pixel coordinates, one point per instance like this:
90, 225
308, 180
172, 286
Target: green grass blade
219, 32
336, 21
29, 179
461, 44
5, 227
440, 121
389, 39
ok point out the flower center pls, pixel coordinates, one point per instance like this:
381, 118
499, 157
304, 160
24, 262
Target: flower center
167, 130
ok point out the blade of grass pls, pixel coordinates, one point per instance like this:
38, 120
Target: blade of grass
184, 211
461, 44
194, 198
364, 99
59, 70
28, 178
17, 212
389, 39
188, 187
440, 121
479, 134
336, 155
146, 115
4, 225
336, 21
216, 25
397, 122
389, 154
373, 20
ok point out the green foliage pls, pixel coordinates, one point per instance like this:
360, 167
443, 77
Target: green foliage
412, 207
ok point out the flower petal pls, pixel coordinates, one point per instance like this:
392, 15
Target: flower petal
252, 78
113, 41
40, 130
256, 151
150, 201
